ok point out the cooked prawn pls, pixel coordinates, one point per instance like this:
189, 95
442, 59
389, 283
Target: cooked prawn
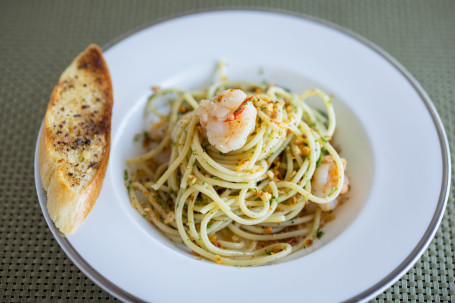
228, 119
325, 179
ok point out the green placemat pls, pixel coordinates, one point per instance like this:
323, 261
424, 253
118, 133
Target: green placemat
38, 39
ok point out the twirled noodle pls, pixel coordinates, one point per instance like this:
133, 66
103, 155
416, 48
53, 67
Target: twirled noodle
252, 205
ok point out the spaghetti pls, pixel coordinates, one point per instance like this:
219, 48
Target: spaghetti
254, 204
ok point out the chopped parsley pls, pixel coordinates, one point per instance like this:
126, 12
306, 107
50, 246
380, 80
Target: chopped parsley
319, 233
274, 199
125, 175
333, 190
319, 160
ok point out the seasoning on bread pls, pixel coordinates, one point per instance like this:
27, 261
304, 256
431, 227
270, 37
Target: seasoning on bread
75, 140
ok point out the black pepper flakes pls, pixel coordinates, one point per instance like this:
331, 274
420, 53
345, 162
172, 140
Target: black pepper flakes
93, 164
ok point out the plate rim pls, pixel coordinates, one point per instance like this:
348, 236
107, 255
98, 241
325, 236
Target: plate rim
367, 294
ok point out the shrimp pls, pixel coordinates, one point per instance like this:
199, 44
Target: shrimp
228, 119
325, 178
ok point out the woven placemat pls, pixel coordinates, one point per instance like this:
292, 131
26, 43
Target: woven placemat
38, 39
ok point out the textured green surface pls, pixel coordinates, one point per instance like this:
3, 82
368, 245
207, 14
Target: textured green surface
38, 39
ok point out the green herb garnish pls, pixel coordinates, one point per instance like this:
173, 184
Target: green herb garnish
319, 233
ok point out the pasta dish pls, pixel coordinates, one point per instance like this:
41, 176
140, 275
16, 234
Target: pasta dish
241, 173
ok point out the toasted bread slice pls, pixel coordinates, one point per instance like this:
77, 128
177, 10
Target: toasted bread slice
75, 139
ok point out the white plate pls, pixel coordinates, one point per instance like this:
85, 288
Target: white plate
388, 130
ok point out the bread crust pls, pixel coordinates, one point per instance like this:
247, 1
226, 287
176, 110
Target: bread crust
69, 199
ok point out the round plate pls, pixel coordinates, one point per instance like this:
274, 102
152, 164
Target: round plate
388, 130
